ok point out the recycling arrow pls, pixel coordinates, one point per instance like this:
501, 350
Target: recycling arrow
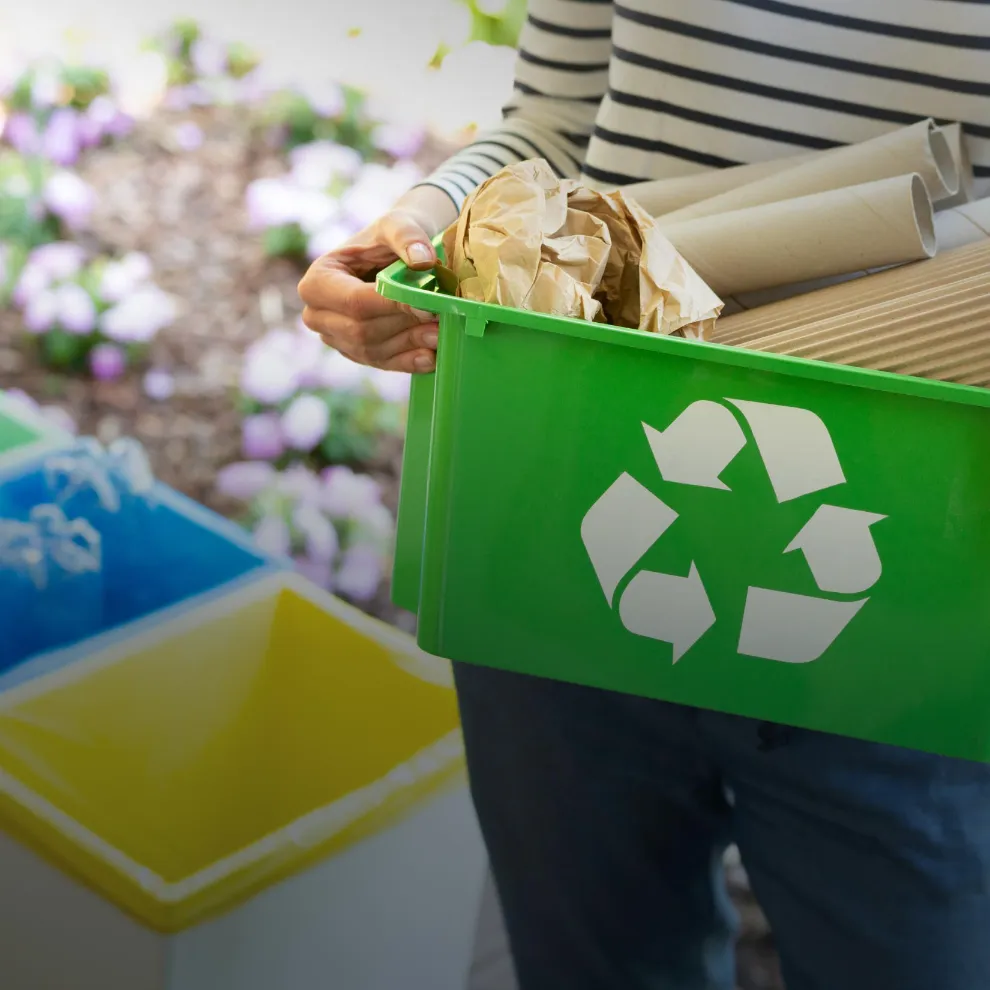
620, 527
672, 609
791, 628
796, 448
695, 450
698, 446
839, 549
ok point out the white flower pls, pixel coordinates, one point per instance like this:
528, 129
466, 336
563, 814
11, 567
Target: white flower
305, 422
391, 386
120, 278
270, 374
328, 238
139, 316
69, 198
41, 312
273, 202
76, 310
316, 164
377, 188
334, 371
272, 536
317, 532
346, 494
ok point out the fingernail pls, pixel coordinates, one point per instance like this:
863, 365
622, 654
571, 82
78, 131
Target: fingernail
424, 363
417, 254
430, 339
426, 317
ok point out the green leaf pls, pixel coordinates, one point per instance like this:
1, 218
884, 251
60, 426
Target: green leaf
285, 242
65, 351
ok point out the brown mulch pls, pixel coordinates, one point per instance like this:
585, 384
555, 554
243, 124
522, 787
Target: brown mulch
185, 209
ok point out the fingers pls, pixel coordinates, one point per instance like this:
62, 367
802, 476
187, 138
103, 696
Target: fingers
373, 342
330, 287
350, 315
403, 234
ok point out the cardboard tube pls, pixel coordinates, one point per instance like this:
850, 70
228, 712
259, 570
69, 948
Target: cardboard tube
921, 149
844, 230
660, 196
956, 140
962, 225
894, 283
954, 228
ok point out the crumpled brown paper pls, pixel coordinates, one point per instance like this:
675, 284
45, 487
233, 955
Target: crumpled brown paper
528, 240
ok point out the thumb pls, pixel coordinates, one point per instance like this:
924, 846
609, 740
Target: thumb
404, 235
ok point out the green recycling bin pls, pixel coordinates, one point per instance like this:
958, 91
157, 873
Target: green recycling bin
784, 539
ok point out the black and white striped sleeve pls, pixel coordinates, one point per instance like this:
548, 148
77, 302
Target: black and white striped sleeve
561, 78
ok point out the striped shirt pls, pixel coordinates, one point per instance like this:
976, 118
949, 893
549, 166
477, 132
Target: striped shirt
618, 92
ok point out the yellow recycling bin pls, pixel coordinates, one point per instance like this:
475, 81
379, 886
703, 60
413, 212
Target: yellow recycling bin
264, 793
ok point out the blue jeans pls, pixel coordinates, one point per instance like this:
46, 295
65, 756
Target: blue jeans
606, 818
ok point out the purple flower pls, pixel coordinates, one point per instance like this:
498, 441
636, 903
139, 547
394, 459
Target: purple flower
318, 533
360, 573
397, 140
76, 311
346, 494
69, 198
208, 57
107, 362
21, 132
41, 312
188, 136
245, 479
139, 316
318, 572
305, 422
58, 260
261, 437
159, 385
270, 373
60, 142
272, 536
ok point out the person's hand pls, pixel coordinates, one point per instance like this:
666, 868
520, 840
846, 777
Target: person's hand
347, 311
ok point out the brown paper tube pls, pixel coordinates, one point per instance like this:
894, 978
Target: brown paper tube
844, 230
891, 284
920, 149
962, 225
964, 167
660, 196
965, 224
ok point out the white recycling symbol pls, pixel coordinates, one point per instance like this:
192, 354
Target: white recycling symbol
800, 459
